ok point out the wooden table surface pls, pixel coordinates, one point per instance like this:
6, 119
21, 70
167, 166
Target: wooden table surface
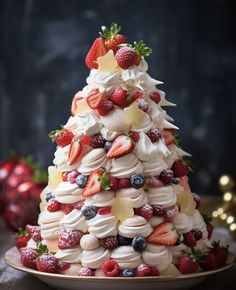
12, 279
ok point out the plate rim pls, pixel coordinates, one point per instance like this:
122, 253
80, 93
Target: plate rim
8, 261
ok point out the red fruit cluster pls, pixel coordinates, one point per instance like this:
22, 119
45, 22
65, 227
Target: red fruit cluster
69, 239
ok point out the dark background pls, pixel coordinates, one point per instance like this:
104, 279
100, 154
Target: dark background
42, 49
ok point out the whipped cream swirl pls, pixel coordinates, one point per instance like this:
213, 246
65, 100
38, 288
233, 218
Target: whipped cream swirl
135, 197
94, 259
114, 121
67, 192
61, 159
183, 223
74, 220
164, 195
103, 225
72, 255
126, 257
101, 199
108, 134
154, 167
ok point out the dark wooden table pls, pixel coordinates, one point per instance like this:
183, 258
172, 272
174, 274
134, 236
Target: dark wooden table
12, 279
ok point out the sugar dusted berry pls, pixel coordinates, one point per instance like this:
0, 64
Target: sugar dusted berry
143, 270
28, 257
137, 180
126, 57
81, 180
89, 211
189, 239
86, 272
166, 176
105, 107
69, 239
154, 135
67, 208
97, 141
34, 232
63, 266
110, 243
139, 244
111, 268
47, 263
159, 210
124, 183
145, 211
134, 136
142, 104
53, 205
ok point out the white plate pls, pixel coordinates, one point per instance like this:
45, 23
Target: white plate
105, 283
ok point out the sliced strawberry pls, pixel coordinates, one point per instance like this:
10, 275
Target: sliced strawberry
169, 136
120, 147
164, 234
94, 98
93, 184
75, 150
97, 49
104, 210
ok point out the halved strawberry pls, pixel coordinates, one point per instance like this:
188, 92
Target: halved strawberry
104, 210
120, 147
75, 150
97, 49
93, 184
164, 234
169, 136
94, 98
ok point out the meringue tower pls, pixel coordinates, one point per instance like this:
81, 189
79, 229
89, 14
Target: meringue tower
118, 187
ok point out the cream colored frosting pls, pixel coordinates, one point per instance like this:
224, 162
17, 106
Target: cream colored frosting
100, 79
50, 224
183, 223
164, 195
108, 134
114, 121
125, 166
144, 125
95, 259
158, 256
145, 149
103, 225
155, 221
154, 167
93, 160
89, 242
61, 159
176, 153
72, 255
67, 192
134, 226
178, 251
126, 257
199, 223
74, 220
135, 197
101, 199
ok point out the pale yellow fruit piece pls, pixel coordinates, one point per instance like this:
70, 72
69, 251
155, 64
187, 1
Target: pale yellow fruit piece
133, 115
52, 245
171, 270
82, 106
107, 62
122, 209
186, 202
54, 177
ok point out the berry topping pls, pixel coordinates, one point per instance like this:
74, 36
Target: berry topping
105, 107
61, 137
169, 136
104, 210
124, 183
208, 261
197, 234
220, 253
154, 135
188, 264
28, 257
34, 232
166, 176
107, 146
94, 183
53, 205
75, 150
154, 182
137, 180
159, 210
67, 208
123, 241
69, 239
49, 196
81, 180
134, 136
143, 270
98, 49
189, 239
128, 272
97, 141
111, 268
70, 176
142, 104
110, 243
89, 211
63, 266
209, 225
121, 98
180, 168
155, 96
145, 211
164, 234
126, 57
114, 183
197, 200
139, 244
85, 139
142, 50
22, 238
94, 98
120, 147
47, 263
86, 272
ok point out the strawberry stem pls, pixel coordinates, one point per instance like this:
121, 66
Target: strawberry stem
108, 33
141, 48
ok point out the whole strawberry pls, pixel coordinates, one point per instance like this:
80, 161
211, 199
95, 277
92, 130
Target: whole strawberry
62, 137
34, 232
208, 261
47, 263
22, 238
220, 253
28, 257
187, 264
180, 168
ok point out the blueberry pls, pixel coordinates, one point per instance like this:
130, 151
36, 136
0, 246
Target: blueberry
89, 211
128, 273
81, 180
137, 180
107, 146
122, 241
139, 244
49, 196
175, 180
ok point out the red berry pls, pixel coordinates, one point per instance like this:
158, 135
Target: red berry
47, 263
97, 141
187, 264
145, 211
67, 208
85, 139
28, 257
156, 97
171, 214
110, 243
105, 107
62, 137
70, 176
180, 168
114, 183
21, 241
53, 205
113, 42
154, 182
210, 229
197, 234
159, 210
197, 200
166, 176
97, 49
189, 239
143, 270
124, 183
69, 239
111, 268
104, 210
208, 262
134, 136
34, 232
63, 266
86, 272
220, 253
154, 135
78, 205
142, 104
120, 97
136, 94
154, 271
126, 57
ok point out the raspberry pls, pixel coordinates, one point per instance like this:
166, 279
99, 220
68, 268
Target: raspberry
97, 141
63, 266
110, 243
145, 211
134, 136
126, 57
105, 107
85, 139
53, 205
139, 244
28, 257
114, 183
67, 208
143, 270
137, 94
70, 176
154, 182
166, 176
142, 104
47, 263
156, 97
69, 239
154, 135
34, 232
78, 205
124, 183
159, 210
111, 268
189, 239
171, 214
86, 272
197, 234
197, 200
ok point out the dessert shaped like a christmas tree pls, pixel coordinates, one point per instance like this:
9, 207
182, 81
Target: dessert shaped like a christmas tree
118, 202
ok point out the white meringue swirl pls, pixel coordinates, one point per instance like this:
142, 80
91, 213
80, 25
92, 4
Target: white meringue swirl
183, 223
74, 221
103, 225
72, 255
61, 159
154, 167
108, 134
94, 259
126, 257
135, 197
164, 195
67, 192
101, 199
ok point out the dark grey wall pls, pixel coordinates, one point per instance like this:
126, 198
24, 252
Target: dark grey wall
42, 50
